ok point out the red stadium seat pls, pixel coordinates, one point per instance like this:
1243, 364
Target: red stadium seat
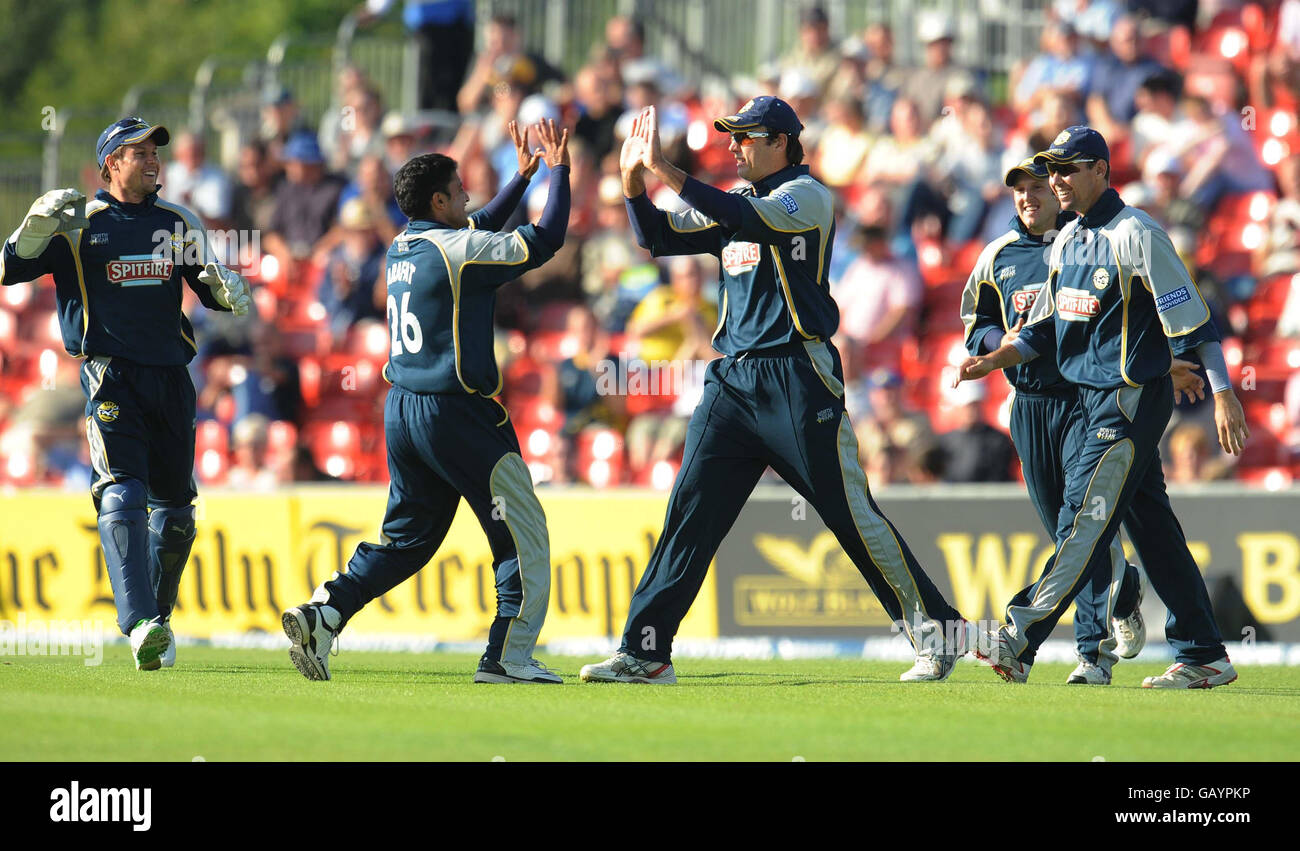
211, 452
600, 459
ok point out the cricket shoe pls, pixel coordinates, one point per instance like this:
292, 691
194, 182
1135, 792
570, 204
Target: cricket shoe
1088, 674
168, 659
936, 667
149, 641
994, 650
1130, 632
1218, 673
308, 628
625, 668
505, 672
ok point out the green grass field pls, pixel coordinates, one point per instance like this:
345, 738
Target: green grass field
253, 705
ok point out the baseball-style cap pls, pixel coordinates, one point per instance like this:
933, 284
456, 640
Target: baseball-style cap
303, 147
766, 111
128, 131
1075, 143
1029, 166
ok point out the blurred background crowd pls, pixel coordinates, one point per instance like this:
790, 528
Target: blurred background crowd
1197, 101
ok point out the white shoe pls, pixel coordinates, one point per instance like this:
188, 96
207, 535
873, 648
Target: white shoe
1089, 674
1130, 632
168, 659
310, 630
1218, 673
505, 672
994, 650
936, 667
625, 668
149, 640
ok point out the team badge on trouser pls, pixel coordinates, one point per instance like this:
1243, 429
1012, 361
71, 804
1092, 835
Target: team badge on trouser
140, 427
765, 410
442, 447
1116, 476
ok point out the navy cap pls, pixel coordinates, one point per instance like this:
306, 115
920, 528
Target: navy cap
884, 378
275, 94
1030, 166
128, 131
303, 147
1075, 143
766, 111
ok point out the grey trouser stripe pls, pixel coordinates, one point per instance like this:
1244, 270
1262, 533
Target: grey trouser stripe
825, 366
881, 544
526, 522
1073, 555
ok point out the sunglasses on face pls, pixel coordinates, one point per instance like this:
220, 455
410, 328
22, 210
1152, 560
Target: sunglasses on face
1066, 169
744, 139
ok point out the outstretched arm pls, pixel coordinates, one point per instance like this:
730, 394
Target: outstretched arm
494, 214
554, 223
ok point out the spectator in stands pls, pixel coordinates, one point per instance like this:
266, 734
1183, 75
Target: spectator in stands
884, 79
624, 39
400, 142
889, 426
355, 133
1217, 156
1275, 74
1190, 457
1063, 66
187, 175
253, 468
800, 91
673, 321
1161, 192
972, 173
306, 202
849, 79
648, 82
975, 451
444, 33
1280, 252
578, 395
374, 188
349, 290
879, 298
1157, 114
841, 152
1112, 103
253, 195
280, 120
598, 91
925, 86
814, 54
503, 56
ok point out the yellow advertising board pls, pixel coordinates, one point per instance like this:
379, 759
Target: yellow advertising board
258, 553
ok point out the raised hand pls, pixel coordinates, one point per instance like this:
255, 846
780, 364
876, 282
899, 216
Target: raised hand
631, 159
652, 154
555, 143
528, 162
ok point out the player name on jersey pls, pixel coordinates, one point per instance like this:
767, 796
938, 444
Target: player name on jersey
1076, 305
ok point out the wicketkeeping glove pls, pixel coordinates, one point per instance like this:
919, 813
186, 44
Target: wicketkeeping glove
229, 288
57, 211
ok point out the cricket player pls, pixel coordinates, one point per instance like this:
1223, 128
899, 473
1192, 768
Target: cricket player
1001, 289
776, 399
118, 265
1117, 306
447, 434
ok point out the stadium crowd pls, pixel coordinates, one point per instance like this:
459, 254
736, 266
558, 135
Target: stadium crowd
602, 348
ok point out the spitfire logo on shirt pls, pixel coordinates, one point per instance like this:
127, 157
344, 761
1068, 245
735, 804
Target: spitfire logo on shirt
1025, 299
141, 270
1076, 305
740, 257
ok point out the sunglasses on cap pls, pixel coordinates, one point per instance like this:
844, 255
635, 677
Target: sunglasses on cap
1066, 169
747, 138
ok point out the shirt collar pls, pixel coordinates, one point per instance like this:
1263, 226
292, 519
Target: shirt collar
767, 184
420, 225
144, 206
1106, 208
1019, 227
